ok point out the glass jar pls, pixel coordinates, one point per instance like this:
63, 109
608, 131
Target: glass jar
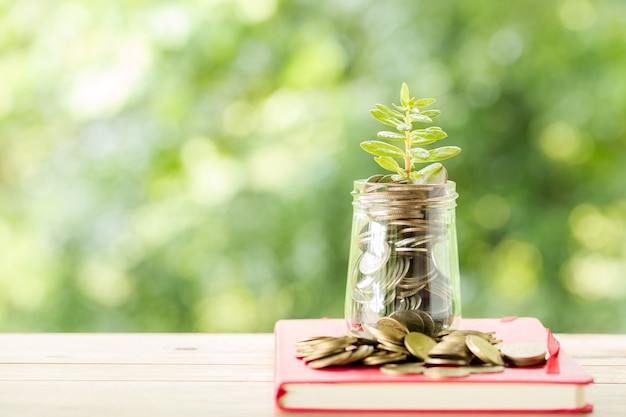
403, 254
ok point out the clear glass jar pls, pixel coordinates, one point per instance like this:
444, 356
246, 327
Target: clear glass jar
403, 253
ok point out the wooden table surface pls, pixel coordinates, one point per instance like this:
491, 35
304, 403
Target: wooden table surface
119, 375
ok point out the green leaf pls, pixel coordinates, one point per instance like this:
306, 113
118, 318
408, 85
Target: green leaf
421, 118
401, 109
378, 148
431, 113
420, 155
432, 174
404, 127
404, 95
388, 163
391, 135
432, 134
423, 102
421, 141
383, 118
394, 114
445, 152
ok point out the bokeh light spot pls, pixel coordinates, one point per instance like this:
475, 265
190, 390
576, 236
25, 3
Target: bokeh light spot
104, 282
492, 211
516, 266
506, 46
561, 141
577, 14
594, 276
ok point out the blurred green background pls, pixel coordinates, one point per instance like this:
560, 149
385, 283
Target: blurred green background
187, 166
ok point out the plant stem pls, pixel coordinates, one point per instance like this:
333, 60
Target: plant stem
408, 161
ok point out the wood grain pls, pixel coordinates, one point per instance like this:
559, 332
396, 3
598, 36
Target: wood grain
155, 375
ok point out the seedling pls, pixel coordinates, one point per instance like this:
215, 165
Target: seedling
402, 118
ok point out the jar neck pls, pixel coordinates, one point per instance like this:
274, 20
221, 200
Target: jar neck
421, 196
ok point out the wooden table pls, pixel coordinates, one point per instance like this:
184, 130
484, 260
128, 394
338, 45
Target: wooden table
119, 375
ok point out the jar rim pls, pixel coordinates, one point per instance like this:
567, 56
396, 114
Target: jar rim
427, 196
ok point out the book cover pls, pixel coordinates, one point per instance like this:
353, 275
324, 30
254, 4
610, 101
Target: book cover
558, 386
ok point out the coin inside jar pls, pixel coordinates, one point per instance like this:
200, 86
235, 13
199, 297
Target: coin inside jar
372, 262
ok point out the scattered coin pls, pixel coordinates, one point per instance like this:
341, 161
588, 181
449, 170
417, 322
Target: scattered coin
485, 369
483, 349
403, 368
418, 344
386, 335
379, 358
334, 359
445, 372
452, 354
523, 353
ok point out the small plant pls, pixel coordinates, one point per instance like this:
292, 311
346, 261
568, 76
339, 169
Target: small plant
402, 118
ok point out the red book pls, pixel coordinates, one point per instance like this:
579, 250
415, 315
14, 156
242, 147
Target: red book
558, 386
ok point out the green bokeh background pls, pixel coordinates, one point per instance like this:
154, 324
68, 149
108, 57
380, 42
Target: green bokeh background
187, 166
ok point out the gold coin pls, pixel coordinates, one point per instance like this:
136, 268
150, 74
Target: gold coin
386, 334
429, 323
446, 362
483, 350
485, 369
391, 323
319, 354
390, 347
419, 344
362, 338
403, 368
411, 320
383, 358
334, 343
312, 339
360, 353
334, 359
446, 372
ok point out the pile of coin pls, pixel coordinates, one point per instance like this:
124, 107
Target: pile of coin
401, 246
402, 349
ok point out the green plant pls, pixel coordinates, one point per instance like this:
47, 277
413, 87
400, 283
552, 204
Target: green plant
402, 118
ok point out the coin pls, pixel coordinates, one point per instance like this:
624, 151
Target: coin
411, 320
335, 343
379, 358
361, 353
446, 372
446, 361
485, 369
523, 353
483, 350
450, 350
363, 338
391, 347
419, 344
429, 323
391, 323
403, 368
319, 354
373, 262
389, 335
331, 360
